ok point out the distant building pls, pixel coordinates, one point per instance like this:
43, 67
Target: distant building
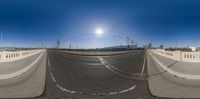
193, 49
161, 46
58, 43
122, 47
198, 49
150, 46
185, 49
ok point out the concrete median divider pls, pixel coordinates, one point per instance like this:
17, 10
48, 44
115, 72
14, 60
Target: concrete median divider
22, 74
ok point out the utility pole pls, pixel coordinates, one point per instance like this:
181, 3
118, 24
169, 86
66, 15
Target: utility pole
151, 44
58, 43
41, 44
132, 43
70, 46
127, 40
14, 45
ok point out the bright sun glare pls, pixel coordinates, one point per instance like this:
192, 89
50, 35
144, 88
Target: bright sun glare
99, 31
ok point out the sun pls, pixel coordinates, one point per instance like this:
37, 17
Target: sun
99, 31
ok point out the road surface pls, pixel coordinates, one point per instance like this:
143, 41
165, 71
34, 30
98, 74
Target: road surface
96, 77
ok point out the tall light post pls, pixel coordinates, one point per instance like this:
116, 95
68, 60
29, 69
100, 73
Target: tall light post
127, 40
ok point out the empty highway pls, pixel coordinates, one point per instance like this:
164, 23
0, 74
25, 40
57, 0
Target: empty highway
73, 76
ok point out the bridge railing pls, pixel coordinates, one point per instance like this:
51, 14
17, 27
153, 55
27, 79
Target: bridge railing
191, 56
179, 55
24, 71
12, 55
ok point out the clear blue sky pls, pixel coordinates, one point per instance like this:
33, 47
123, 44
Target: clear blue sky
28, 22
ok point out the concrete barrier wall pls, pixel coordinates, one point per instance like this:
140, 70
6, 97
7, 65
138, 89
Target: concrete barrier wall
10, 55
171, 78
7, 67
24, 75
179, 55
96, 53
191, 56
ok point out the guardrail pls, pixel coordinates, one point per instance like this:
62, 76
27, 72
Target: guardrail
179, 55
12, 55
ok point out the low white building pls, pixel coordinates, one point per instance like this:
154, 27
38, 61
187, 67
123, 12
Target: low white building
193, 48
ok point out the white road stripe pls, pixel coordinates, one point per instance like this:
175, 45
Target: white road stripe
143, 67
116, 70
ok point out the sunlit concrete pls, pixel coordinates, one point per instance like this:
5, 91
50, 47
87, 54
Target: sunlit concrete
23, 77
164, 83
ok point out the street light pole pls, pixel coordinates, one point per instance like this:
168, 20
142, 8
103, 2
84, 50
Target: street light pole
127, 40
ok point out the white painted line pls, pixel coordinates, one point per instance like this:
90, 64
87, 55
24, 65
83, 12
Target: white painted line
105, 63
114, 69
108, 65
143, 67
78, 92
22, 71
194, 77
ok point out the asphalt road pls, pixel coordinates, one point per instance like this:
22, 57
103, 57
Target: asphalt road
96, 77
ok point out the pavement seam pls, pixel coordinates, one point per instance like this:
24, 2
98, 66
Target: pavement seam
93, 94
